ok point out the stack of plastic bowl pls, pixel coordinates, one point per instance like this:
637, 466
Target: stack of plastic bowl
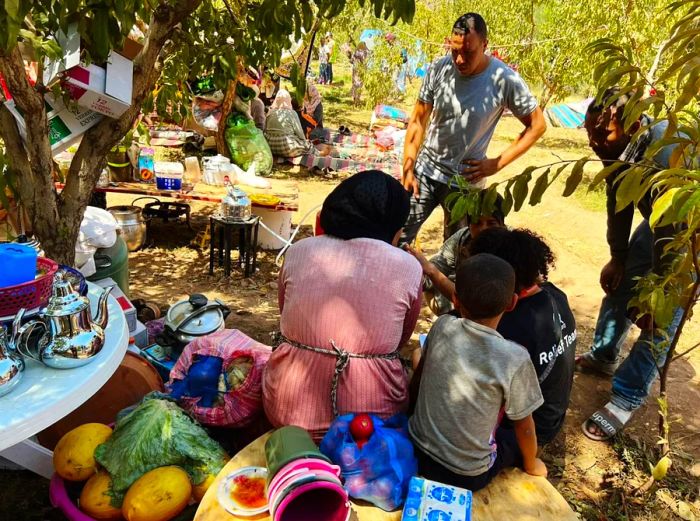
303, 485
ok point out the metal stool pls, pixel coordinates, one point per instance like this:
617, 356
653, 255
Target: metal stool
221, 231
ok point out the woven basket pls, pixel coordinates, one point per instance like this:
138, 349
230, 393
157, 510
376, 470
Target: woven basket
29, 295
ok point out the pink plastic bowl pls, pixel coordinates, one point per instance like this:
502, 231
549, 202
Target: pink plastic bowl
58, 495
316, 500
300, 466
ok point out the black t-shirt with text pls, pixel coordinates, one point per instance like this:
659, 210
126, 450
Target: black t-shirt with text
544, 324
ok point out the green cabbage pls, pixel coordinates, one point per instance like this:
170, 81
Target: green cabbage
154, 434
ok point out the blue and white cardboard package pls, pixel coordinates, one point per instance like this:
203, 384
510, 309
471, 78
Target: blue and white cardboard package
432, 501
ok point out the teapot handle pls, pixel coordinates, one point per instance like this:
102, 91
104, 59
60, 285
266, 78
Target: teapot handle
24, 336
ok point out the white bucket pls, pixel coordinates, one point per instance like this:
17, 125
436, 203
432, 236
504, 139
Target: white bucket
279, 221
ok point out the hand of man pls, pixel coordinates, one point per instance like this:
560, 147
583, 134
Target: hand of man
611, 275
410, 184
537, 468
478, 169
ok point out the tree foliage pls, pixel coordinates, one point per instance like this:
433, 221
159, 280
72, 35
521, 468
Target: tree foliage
674, 74
183, 39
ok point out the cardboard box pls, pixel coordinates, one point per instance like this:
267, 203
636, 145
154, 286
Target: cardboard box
429, 500
124, 302
66, 124
105, 90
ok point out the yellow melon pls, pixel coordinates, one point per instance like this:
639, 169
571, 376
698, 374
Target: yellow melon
74, 455
198, 491
95, 500
158, 495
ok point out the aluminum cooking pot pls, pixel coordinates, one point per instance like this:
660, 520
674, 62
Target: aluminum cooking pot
131, 223
192, 318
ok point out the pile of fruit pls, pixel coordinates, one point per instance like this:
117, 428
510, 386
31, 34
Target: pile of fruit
134, 473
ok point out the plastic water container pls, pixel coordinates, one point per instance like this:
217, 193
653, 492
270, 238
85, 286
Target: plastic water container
17, 264
169, 175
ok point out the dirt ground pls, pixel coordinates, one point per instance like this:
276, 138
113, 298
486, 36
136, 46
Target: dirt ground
598, 479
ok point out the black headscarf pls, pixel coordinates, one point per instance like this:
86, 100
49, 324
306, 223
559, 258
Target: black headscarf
369, 204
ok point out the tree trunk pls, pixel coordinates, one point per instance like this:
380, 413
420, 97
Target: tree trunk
227, 105
56, 217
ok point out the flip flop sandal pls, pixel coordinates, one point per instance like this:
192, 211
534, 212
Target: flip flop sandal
606, 421
588, 362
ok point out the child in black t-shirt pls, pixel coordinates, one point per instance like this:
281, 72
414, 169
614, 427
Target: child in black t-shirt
542, 321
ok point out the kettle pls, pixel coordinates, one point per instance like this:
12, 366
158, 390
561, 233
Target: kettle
11, 364
69, 336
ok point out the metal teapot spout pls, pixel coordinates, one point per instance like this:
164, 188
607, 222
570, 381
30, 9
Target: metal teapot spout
102, 313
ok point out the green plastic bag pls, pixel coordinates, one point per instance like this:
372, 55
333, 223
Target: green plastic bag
247, 144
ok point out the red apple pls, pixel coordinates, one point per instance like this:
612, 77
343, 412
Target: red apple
361, 428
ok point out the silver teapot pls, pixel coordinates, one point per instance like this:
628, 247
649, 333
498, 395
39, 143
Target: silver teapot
11, 364
69, 336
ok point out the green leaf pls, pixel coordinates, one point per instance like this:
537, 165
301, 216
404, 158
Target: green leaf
692, 202
451, 198
520, 190
629, 188
575, 177
507, 200
603, 174
661, 205
539, 189
459, 209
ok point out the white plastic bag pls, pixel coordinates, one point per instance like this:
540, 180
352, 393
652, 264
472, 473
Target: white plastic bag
98, 230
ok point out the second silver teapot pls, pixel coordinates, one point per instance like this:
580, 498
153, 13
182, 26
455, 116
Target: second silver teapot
66, 335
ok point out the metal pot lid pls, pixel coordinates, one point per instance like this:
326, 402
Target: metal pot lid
206, 323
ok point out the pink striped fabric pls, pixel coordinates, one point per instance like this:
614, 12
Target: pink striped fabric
363, 294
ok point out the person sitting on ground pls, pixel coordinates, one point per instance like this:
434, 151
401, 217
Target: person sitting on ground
313, 104
438, 282
257, 109
283, 129
469, 377
542, 321
340, 342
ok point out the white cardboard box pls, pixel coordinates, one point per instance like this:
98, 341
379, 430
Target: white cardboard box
107, 91
66, 124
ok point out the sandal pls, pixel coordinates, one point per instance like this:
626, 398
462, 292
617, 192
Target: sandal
610, 419
588, 362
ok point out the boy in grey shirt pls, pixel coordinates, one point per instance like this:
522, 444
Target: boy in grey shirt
468, 378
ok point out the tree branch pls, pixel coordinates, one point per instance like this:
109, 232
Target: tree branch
100, 139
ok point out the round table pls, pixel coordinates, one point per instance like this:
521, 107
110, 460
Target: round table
511, 495
46, 395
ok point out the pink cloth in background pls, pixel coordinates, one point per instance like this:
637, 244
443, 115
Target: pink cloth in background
365, 295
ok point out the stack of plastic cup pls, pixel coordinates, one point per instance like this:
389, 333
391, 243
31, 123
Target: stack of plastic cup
302, 483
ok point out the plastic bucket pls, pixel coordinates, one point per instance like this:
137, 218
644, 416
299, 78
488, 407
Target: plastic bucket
288, 444
315, 500
279, 221
314, 466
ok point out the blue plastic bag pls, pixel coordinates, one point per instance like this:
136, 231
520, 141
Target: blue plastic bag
380, 471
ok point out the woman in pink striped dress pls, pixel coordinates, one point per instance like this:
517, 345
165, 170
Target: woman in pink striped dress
348, 301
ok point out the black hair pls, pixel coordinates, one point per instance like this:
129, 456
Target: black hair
523, 249
604, 103
485, 285
477, 21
